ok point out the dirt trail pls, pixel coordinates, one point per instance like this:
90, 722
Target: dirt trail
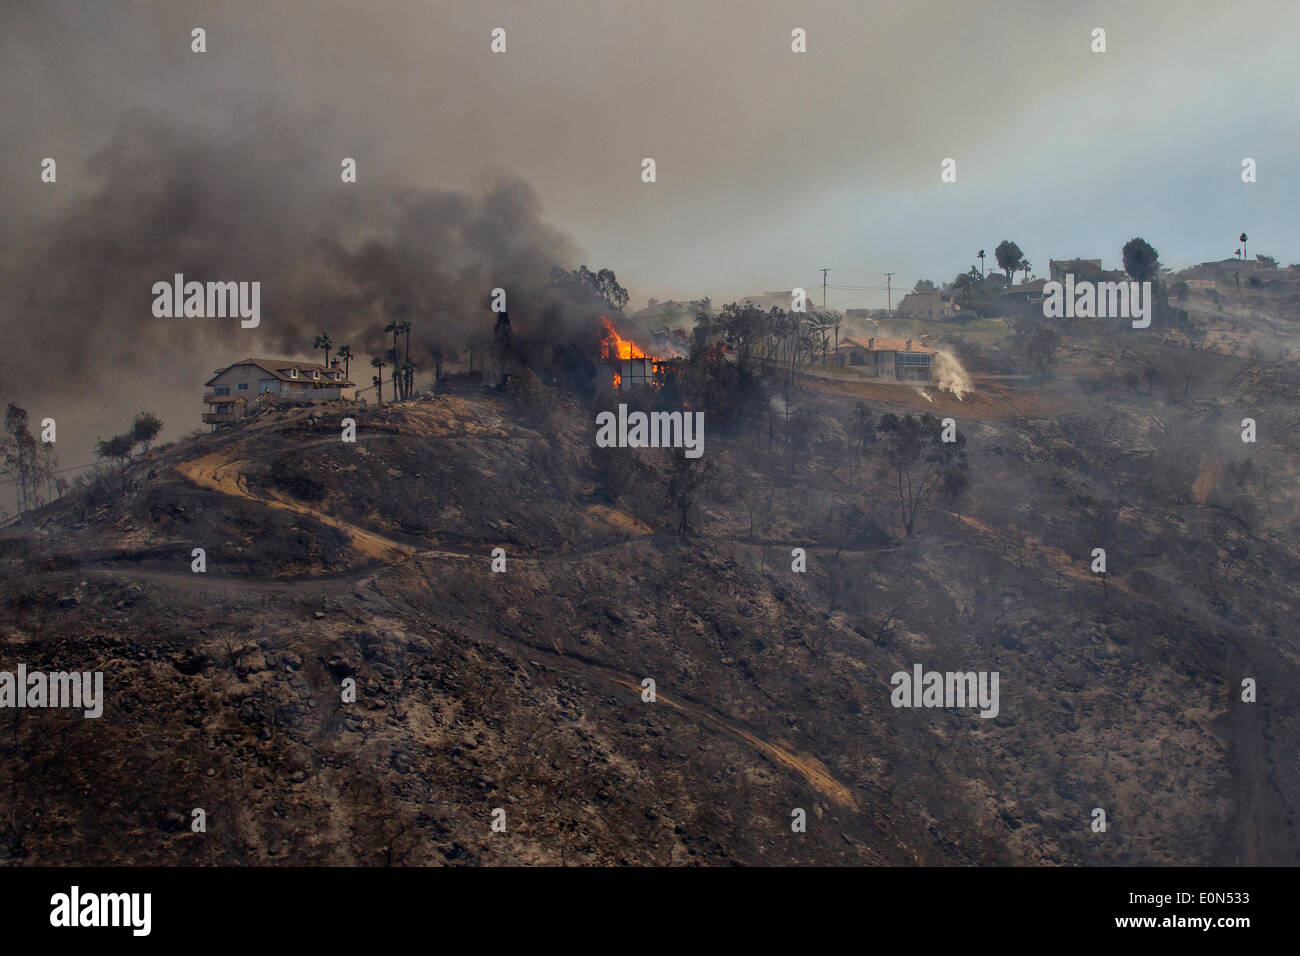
810, 768
218, 473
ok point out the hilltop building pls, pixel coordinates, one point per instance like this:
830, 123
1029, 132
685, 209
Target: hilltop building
927, 305
235, 388
906, 360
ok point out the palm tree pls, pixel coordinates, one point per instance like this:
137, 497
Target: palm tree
1243, 247
394, 360
323, 342
345, 353
1025, 267
981, 259
407, 368
394, 327
378, 362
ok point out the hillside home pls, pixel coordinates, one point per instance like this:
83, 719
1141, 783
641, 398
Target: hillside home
926, 305
906, 360
233, 389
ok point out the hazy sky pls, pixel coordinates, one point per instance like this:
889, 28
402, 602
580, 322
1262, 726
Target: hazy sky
771, 164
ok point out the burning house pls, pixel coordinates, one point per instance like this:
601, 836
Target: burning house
629, 365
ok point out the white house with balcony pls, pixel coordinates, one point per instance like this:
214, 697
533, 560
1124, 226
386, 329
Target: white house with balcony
233, 389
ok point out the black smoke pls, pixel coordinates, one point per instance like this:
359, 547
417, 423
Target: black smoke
259, 200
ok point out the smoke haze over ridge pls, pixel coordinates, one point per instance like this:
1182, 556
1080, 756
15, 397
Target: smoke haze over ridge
771, 165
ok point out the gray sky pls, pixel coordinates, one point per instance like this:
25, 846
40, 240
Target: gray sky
771, 164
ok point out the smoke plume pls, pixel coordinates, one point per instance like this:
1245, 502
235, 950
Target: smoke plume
950, 376
257, 201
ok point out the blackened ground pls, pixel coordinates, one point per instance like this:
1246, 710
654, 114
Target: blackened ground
522, 690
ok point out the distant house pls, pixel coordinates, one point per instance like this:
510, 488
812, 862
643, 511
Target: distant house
927, 305
908, 360
1083, 269
233, 389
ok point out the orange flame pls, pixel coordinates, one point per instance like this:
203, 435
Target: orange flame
615, 345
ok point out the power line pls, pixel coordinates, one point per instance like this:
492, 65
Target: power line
57, 471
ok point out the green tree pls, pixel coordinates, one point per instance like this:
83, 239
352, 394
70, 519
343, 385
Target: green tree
1141, 260
345, 354
968, 285
1008, 255
924, 286
145, 429
323, 342
980, 256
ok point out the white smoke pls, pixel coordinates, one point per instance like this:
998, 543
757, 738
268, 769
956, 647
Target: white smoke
950, 376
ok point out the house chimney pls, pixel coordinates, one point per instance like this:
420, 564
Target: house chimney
907, 347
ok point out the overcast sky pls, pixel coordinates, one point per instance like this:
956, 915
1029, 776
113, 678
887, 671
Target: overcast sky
771, 164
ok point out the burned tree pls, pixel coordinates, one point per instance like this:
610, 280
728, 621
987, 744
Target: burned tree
686, 479
924, 466
21, 459
119, 449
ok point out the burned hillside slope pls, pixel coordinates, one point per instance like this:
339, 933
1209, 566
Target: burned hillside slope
523, 689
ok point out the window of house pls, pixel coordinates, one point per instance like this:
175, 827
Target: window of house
222, 390
293, 373
243, 386
315, 373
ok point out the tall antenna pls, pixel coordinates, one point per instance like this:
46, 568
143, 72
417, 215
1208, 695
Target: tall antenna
889, 292
824, 271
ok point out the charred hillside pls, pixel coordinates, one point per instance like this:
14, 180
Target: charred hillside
521, 689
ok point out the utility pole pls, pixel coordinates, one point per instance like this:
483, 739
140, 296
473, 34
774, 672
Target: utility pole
889, 292
824, 271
